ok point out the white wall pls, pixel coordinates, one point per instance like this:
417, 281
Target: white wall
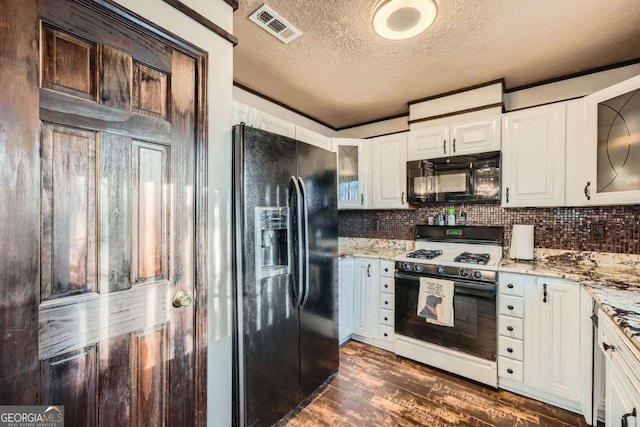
220, 80
383, 127
262, 104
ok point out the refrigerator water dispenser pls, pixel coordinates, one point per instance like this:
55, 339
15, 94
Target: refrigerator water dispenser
273, 243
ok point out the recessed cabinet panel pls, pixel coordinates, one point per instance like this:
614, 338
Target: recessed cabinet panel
475, 136
428, 143
613, 144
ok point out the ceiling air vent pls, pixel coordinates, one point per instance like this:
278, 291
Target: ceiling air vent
275, 24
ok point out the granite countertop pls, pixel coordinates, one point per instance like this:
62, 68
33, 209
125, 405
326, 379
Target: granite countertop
613, 280
373, 248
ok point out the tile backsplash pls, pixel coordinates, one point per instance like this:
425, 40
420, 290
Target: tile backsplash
555, 228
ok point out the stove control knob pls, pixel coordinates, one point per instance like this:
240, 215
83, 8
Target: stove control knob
440, 269
477, 274
407, 266
418, 268
463, 272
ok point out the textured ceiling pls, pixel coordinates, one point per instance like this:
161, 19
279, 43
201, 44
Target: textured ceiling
341, 73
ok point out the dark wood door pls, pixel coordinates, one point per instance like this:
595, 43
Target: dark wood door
118, 294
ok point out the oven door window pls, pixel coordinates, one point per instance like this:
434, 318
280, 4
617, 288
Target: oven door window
474, 329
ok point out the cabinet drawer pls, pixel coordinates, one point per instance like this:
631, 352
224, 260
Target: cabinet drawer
510, 347
511, 287
386, 301
387, 332
387, 268
511, 327
386, 285
509, 368
511, 306
386, 317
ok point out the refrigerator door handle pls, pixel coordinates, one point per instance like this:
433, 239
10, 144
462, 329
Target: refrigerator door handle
299, 263
305, 207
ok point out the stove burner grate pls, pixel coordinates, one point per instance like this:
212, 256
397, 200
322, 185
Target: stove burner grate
424, 254
471, 258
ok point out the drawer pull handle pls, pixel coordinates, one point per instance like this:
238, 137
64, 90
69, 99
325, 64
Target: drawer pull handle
386, 286
624, 422
510, 350
510, 307
608, 347
510, 328
387, 270
510, 371
510, 286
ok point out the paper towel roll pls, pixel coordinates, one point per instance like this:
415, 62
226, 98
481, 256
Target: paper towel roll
521, 242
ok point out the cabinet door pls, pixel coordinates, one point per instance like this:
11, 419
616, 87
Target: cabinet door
313, 138
552, 337
389, 171
276, 125
612, 119
475, 136
353, 165
428, 143
621, 398
361, 296
345, 315
242, 113
533, 157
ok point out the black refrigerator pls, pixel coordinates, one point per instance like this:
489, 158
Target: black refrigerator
285, 272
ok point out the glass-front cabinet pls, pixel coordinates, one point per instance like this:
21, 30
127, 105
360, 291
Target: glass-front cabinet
353, 161
612, 118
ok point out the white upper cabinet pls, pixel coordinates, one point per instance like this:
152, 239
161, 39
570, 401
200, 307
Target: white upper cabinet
612, 137
242, 113
455, 138
389, 171
276, 125
428, 143
313, 138
354, 161
533, 156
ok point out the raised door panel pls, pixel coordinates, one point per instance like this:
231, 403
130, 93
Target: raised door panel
552, 338
242, 113
621, 398
476, 136
313, 138
612, 126
428, 143
276, 125
361, 291
389, 171
346, 280
533, 157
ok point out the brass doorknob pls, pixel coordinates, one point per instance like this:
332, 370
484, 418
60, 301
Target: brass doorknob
181, 299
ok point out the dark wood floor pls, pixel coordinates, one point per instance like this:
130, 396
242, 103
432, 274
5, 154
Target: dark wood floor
377, 388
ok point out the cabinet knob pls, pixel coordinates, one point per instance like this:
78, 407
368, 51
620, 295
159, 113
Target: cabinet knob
510, 286
510, 350
386, 334
386, 319
510, 328
608, 347
624, 422
386, 302
510, 371
386, 286
510, 307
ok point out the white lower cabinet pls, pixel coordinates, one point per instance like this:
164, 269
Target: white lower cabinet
622, 384
345, 294
539, 338
367, 301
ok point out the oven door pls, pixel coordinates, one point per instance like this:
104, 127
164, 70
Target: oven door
474, 307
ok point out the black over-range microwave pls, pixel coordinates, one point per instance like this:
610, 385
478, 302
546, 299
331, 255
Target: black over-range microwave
458, 179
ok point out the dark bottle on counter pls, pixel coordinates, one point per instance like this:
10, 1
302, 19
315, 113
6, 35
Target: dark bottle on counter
463, 218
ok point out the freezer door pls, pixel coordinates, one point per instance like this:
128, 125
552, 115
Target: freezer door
266, 350
319, 312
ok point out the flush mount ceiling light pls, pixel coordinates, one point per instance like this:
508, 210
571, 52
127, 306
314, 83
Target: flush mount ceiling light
403, 19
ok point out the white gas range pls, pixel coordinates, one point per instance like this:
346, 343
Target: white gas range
467, 257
